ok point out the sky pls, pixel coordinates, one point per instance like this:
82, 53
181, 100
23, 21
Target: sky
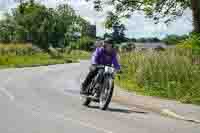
137, 26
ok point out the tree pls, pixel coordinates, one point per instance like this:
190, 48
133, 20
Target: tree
113, 22
159, 10
21, 4
42, 26
107, 35
195, 6
118, 34
174, 39
133, 39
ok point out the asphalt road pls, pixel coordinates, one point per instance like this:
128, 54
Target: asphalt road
46, 100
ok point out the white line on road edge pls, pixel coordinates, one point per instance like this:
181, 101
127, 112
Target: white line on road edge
7, 93
169, 113
84, 124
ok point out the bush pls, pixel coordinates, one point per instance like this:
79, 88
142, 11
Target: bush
174, 39
193, 43
54, 53
18, 49
84, 43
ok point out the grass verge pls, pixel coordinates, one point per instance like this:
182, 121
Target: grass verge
31, 61
171, 74
27, 55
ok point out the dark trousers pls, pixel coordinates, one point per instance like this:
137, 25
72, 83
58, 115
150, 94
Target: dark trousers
92, 73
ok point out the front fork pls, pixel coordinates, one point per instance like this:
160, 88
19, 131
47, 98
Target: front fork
96, 85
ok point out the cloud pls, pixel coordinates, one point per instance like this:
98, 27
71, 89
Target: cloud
137, 25
3, 5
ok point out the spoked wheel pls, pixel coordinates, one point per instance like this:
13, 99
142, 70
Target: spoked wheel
85, 100
106, 93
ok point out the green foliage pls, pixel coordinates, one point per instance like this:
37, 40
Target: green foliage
118, 34
193, 43
170, 74
29, 61
107, 35
42, 26
174, 39
84, 43
159, 10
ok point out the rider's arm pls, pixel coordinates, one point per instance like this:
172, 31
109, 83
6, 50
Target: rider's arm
95, 56
115, 62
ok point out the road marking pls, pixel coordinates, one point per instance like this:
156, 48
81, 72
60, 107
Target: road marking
84, 124
7, 93
172, 114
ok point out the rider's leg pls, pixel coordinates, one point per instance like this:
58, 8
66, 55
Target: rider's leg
90, 76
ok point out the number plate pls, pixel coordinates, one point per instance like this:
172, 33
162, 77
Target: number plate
109, 69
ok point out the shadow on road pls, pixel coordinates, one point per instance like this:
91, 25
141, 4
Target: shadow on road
126, 111
120, 110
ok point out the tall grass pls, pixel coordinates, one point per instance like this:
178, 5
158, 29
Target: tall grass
170, 74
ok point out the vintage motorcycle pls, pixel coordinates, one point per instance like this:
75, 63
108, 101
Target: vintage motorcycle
101, 88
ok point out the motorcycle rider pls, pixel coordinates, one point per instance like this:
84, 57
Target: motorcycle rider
103, 55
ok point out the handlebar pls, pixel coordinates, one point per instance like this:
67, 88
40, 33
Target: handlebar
101, 66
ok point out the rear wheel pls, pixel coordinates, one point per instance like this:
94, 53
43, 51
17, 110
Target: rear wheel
106, 93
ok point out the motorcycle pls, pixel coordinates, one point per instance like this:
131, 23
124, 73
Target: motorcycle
101, 88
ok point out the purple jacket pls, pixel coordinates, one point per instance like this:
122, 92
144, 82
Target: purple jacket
100, 57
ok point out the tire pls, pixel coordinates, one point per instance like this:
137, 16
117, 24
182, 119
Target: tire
86, 101
109, 84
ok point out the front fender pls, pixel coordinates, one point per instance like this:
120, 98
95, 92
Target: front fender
109, 75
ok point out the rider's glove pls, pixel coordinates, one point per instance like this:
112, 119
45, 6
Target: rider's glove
118, 71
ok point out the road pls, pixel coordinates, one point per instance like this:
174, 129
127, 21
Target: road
46, 100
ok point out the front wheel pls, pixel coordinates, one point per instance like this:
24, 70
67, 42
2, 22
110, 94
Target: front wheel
106, 93
86, 101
